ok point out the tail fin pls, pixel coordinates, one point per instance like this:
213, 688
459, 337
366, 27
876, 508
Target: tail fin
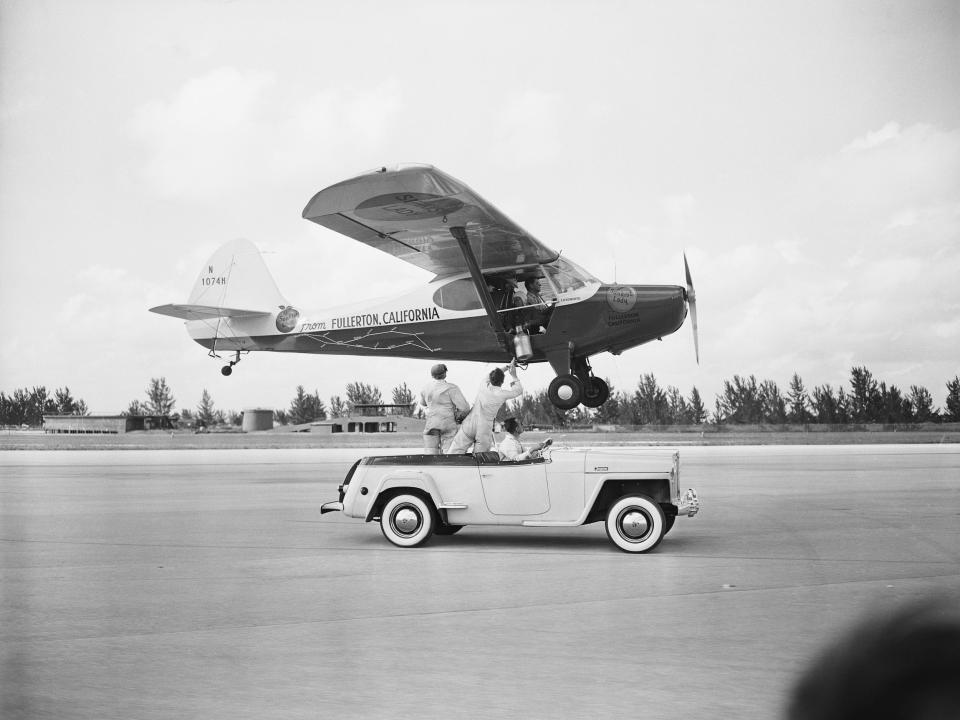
234, 282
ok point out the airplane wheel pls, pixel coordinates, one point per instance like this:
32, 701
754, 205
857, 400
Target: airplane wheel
595, 392
635, 524
407, 520
226, 370
565, 392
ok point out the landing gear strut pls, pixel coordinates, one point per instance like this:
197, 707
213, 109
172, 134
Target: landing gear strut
595, 391
227, 370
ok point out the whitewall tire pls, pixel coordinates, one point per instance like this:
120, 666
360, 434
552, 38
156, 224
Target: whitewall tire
635, 524
407, 520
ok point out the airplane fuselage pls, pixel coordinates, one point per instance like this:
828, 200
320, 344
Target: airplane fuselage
445, 321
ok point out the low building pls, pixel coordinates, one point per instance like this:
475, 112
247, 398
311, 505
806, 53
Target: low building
368, 424
103, 424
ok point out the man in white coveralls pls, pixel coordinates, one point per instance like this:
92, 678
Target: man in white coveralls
477, 428
442, 401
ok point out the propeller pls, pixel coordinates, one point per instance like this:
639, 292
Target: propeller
692, 303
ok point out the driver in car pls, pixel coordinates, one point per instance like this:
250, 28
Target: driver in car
510, 448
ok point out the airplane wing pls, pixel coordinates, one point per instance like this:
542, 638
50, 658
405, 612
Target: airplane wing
407, 211
204, 312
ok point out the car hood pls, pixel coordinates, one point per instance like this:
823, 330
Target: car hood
652, 460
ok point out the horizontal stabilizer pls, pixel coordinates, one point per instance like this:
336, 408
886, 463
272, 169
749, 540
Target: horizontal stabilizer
205, 312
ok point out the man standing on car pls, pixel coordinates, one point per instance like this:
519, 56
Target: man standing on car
442, 401
477, 428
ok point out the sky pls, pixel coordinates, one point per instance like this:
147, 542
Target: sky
804, 154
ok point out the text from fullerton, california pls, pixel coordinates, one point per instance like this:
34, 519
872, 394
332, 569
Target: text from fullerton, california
390, 317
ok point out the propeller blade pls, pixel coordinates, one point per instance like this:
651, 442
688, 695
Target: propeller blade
692, 304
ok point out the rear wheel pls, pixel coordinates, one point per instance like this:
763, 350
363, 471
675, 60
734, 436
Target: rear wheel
635, 524
565, 392
407, 520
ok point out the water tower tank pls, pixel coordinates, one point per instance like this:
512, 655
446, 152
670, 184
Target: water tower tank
257, 419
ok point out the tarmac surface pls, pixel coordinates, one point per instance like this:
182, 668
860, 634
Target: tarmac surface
205, 584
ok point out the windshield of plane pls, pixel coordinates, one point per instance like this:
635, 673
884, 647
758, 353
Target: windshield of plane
567, 276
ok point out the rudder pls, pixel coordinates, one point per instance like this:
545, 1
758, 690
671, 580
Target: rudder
236, 276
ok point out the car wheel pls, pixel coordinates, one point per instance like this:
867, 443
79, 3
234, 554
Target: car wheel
565, 392
595, 392
447, 529
407, 520
635, 524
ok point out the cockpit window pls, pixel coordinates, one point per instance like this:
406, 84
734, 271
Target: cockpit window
567, 276
458, 295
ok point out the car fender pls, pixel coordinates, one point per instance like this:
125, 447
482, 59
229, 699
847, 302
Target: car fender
415, 480
613, 486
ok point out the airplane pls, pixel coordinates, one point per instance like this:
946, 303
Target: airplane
473, 309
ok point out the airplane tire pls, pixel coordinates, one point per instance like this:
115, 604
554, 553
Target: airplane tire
407, 520
595, 392
226, 370
565, 392
635, 524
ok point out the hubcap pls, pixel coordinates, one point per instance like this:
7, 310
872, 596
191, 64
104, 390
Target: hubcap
634, 524
564, 392
406, 520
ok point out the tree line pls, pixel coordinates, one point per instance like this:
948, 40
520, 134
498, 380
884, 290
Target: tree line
744, 400
27, 406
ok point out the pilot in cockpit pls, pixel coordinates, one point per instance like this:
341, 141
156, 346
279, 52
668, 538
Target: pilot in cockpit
532, 316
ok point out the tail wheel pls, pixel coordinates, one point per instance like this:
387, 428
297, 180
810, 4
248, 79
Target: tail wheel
635, 524
595, 392
565, 392
407, 520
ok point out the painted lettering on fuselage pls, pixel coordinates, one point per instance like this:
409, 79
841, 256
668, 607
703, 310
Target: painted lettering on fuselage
391, 317
374, 319
617, 319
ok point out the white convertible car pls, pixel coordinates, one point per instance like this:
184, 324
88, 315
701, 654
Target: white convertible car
635, 493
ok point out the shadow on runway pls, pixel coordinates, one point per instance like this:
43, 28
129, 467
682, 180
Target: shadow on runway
530, 539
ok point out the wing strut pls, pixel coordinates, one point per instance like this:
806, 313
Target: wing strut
460, 235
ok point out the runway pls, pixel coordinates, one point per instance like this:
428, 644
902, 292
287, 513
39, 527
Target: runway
205, 584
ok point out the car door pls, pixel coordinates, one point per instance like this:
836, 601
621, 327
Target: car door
515, 489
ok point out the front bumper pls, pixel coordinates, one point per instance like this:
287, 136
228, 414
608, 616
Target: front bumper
688, 504
331, 507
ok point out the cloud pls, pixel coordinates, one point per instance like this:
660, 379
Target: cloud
206, 138
871, 140
877, 225
230, 130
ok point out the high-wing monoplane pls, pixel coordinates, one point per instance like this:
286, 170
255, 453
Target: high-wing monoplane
475, 308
